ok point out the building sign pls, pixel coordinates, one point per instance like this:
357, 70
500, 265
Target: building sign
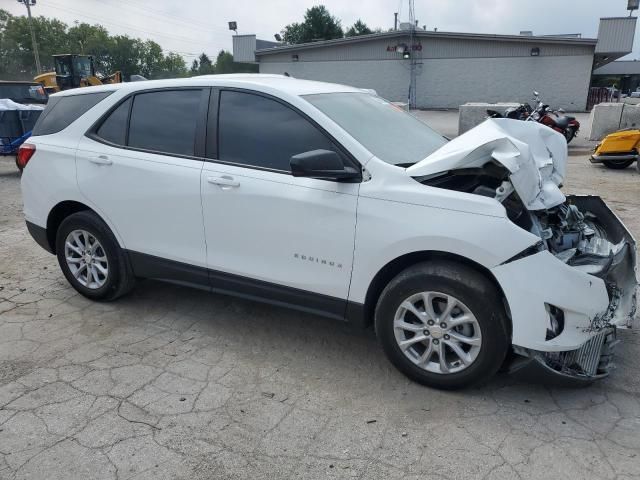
416, 47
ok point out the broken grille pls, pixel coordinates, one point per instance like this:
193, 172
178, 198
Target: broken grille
591, 359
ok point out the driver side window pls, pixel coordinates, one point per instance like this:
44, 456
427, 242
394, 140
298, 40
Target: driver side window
260, 132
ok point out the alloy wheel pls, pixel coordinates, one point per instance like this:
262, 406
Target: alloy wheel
86, 259
437, 332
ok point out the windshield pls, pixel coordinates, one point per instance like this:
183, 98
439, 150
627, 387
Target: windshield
63, 65
83, 66
388, 132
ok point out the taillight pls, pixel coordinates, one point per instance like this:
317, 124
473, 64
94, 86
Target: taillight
25, 152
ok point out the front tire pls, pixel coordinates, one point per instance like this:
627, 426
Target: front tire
443, 324
91, 259
617, 164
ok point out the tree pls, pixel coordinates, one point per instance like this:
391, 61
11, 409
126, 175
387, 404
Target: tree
318, 24
225, 64
358, 28
205, 66
151, 59
194, 67
173, 66
84, 38
293, 33
124, 55
16, 51
110, 53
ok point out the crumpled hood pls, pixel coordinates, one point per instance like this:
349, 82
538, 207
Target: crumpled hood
535, 155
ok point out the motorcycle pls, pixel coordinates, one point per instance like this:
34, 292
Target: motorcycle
521, 112
555, 119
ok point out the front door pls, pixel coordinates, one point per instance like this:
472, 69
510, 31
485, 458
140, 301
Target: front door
271, 235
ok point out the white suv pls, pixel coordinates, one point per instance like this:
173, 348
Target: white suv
328, 199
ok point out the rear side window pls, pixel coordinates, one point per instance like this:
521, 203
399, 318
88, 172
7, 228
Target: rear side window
63, 111
260, 132
114, 128
165, 121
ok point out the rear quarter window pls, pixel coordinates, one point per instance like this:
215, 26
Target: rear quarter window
63, 111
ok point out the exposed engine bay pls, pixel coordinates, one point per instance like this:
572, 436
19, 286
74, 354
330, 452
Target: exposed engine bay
581, 232
574, 236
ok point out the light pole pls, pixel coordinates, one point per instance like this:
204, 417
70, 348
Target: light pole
29, 4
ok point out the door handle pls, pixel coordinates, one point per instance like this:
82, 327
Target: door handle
101, 160
224, 181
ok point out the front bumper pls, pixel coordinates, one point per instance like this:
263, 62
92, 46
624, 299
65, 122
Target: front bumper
596, 294
592, 361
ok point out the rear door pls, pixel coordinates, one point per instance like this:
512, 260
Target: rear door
140, 167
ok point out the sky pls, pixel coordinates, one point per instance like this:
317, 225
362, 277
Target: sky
190, 27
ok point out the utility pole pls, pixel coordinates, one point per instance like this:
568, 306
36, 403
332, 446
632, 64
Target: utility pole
28, 4
413, 65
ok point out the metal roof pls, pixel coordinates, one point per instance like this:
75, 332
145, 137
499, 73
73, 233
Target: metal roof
624, 67
428, 34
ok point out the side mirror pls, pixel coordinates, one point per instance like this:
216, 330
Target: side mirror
323, 164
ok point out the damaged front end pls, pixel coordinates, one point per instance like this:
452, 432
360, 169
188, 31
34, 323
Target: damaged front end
587, 236
569, 293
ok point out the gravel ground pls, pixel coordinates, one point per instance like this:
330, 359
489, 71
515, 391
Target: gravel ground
174, 383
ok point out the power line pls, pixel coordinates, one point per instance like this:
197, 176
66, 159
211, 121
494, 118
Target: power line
188, 54
166, 16
127, 26
130, 27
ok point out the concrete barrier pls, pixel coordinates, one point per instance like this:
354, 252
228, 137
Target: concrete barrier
472, 114
604, 119
630, 116
607, 118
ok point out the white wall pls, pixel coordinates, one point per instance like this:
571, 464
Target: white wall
387, 77
562, 81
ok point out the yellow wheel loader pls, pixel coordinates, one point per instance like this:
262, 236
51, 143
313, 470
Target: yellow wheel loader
74, 71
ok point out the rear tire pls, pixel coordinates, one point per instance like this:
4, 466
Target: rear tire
569, 134
91, 259
617, 164
470, 356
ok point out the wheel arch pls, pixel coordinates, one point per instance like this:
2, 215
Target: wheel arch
397, 265
61, 211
